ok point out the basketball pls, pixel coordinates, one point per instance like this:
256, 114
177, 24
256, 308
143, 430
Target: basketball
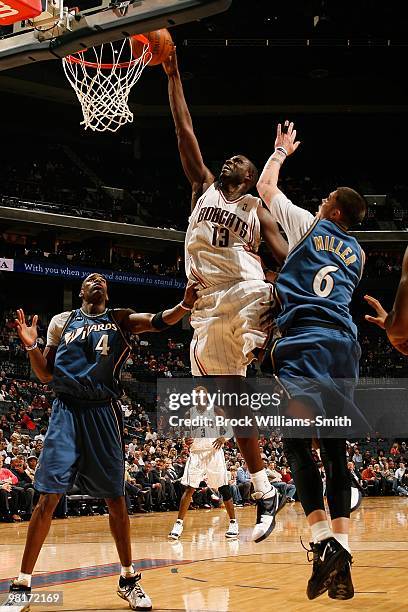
161, 46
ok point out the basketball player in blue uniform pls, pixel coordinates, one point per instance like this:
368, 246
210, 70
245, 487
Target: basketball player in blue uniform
317, 352
85, 351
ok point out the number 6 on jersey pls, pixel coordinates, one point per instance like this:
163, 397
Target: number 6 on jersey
323, 283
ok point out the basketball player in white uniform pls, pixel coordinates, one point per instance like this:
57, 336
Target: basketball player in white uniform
222, 240
206, 463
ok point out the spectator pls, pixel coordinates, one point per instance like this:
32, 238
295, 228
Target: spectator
371, 482
32, 462
9, 496
357, 460
287, 478
244, 482
232, 481
23, 486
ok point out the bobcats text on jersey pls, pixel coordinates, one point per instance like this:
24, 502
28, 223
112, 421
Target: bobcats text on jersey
223, 218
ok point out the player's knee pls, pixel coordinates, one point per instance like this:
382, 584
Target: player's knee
225, 492
116, 505
48, 502
298, 452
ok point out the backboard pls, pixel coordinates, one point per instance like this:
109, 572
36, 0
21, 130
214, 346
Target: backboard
63, 29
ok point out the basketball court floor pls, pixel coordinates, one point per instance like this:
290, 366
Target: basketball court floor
204, 572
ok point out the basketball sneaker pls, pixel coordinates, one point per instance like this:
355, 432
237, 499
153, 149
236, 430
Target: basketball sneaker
356, 499
177, 530
267, 509
130, 590
342, 585
17, 597
329, 557
233, 529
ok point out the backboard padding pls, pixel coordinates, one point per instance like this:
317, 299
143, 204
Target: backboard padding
97, 26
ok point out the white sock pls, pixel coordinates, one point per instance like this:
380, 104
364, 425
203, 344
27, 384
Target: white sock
321, 531
24, 578
343, 539
262, 486
127, 572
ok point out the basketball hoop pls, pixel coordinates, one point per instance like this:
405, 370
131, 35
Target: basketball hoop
102, 78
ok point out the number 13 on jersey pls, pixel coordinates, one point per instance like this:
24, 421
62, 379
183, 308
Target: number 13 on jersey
220, 236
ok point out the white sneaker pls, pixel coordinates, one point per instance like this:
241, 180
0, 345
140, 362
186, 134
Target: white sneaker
130, 590
18, 598
267, 509
177, 530
233, 529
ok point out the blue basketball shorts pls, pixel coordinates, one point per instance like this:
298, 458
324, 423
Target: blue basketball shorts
319, 366
83, 445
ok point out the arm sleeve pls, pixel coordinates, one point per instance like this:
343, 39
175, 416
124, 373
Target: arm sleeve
55, 328
295, 221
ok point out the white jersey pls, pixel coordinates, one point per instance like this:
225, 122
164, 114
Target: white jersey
204, 432
222, 240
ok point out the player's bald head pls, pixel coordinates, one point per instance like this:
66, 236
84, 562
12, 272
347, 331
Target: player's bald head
94, 288
239, 170
92, 277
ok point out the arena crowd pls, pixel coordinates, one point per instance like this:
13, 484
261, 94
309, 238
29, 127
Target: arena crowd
155, 464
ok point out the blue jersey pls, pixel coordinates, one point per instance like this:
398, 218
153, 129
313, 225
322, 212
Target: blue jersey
89, 357
319, 277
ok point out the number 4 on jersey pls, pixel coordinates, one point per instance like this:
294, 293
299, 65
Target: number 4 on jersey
103, 345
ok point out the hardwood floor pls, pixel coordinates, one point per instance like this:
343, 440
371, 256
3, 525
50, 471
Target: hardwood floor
204, 572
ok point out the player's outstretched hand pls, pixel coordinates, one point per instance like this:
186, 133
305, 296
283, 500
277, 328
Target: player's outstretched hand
286, 137
170, 66
190, 294
379, 310
27, 333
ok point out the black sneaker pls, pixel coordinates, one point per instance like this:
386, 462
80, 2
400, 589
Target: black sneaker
18, 597
267, 509
329, 557
342, 585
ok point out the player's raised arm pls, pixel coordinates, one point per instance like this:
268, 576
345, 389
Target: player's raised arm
285, 145
41, 363
294, 220
196, 171
395, 322
137, 323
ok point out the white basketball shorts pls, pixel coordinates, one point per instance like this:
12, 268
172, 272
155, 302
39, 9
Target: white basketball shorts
227, 327
208, 465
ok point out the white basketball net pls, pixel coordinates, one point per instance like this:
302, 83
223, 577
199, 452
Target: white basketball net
103, 84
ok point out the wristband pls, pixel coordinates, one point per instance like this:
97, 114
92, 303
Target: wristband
282, 150
185, 306
32, 347
158, 323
